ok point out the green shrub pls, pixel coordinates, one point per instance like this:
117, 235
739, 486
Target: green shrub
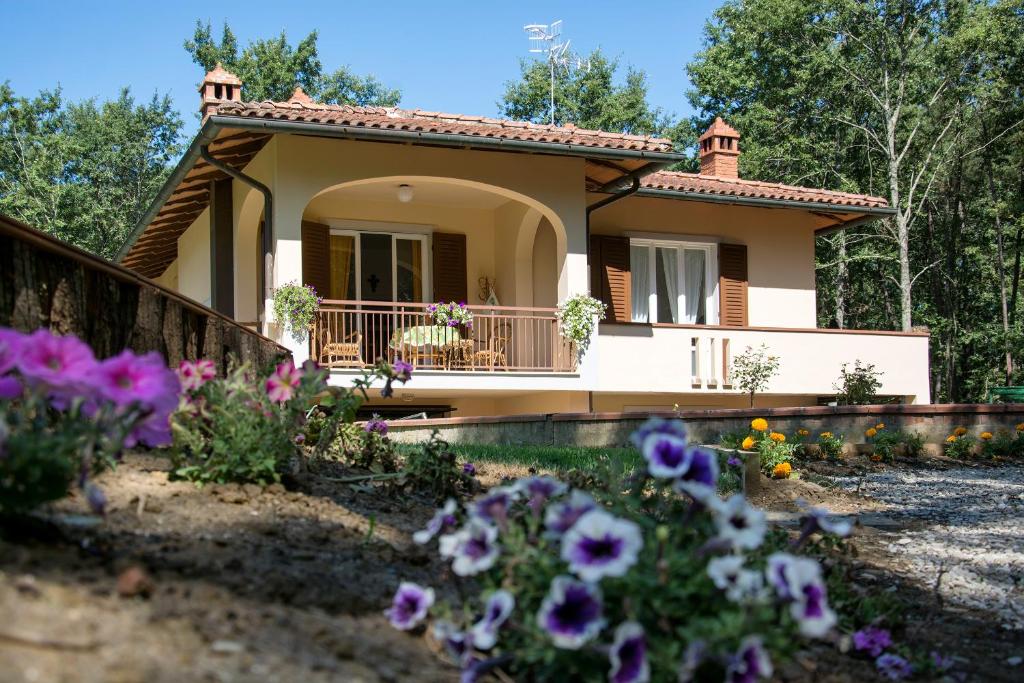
858, 386
960, 446
774, 453
830, 445
433, 468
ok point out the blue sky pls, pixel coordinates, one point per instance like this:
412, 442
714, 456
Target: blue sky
447, 56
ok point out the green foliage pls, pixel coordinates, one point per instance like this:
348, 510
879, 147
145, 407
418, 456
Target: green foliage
578, 317
450, 314
960, 446
229, 430
858, 386
433, 468
889, 443
774, 453
85, 171
753, 369
589, 98
1003, 444
296, 306
271, 68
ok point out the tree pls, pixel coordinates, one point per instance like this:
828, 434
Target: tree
270, 68
753, 369
84, 172
585, 97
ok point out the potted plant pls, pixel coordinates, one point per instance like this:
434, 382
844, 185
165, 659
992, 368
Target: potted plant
295, 309
578, 317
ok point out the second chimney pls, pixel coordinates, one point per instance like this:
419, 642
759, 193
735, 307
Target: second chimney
219, 86
720, 150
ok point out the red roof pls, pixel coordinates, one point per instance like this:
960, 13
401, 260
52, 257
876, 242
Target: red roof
417, 120
738, 187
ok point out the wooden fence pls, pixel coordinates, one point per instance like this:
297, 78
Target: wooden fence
47, 283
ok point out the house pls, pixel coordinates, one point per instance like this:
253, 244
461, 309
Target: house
387, 210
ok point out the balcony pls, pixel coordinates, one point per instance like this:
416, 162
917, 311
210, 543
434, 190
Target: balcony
351, 335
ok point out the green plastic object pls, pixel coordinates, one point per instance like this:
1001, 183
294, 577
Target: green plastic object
1006, 395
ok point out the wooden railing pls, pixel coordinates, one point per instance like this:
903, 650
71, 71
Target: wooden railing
354, 334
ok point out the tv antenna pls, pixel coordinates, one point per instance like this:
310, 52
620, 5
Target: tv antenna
546, 39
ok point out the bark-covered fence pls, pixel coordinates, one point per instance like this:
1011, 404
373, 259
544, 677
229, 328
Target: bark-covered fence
47, 283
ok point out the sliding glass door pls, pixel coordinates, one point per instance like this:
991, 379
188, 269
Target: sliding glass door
379, 266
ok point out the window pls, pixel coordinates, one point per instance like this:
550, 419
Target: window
673, 282
378, 266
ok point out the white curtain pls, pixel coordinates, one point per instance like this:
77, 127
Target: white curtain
670, 267
693, 267
639, 269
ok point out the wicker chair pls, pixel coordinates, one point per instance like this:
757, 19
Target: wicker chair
346, 353
493, 353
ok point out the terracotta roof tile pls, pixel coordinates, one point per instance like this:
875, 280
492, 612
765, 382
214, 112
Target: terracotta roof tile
737, 187
297, 109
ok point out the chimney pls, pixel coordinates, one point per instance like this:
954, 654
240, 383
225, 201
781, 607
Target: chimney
720, 150
218, 86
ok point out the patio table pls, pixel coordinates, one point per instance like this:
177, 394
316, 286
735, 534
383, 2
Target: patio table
421, 342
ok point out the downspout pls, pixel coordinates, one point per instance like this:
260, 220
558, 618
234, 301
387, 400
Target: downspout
267, 245
621, 194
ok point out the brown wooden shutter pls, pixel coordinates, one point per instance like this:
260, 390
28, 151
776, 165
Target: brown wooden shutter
316, 257
610, 277
732, 284
449, 267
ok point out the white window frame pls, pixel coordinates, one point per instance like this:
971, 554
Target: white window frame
418, 235
711, 313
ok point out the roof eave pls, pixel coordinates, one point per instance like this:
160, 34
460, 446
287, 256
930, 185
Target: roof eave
766, 202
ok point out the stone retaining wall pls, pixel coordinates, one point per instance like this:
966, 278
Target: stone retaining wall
47, 283
933, 422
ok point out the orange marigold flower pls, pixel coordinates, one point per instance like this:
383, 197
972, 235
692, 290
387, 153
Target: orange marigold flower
960, 431
782, 470
1020, 427
985, 436
802, 432
951, 438
759, 424
826, 435
876, 458
777, 437
880, 425
748, 443
871, 431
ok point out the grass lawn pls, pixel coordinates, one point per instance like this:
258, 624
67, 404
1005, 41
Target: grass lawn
549, 458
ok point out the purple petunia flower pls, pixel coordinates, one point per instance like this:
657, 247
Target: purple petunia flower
409, 606
798, 580
693, 657
739, 584
657, 425
739, 524
571, 612
375, 425
601, 545
537, 490
560, 517
443, 517
872, 640
64, 365
472, 549
666, 455
733, 461
402, 371
494, 506
629, 655
700, 478
128, 380
457, 643
750, 662
496, 612
894, 667
11, 344
940, 662
818, 519
10, 388
95, 497
469, 469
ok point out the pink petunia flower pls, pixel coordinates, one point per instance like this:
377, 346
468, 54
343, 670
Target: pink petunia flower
63, 365
282, 384
194, 374
11, 343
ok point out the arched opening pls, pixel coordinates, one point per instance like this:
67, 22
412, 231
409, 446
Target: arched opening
545, 266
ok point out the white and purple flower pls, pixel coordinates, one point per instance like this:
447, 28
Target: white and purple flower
739, 523
750, 662
798, 580
494, 506
667, 455
700, 478
560, 517
872, 640
472, 549
693, 657
496, 612
740, 584
818, 519
443, 518
657, 425
458, 644
410, 605
629, 655
538, 490
572, 612
601, 545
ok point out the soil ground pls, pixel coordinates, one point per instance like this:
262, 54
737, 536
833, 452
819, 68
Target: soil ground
242, 583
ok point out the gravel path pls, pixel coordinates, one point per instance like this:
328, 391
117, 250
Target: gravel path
973, 531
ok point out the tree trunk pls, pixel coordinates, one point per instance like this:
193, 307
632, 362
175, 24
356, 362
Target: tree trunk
842, 274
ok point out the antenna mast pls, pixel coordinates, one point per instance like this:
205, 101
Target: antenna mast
545, 39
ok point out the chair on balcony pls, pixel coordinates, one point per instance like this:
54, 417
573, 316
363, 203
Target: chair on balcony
347, 352
494, 348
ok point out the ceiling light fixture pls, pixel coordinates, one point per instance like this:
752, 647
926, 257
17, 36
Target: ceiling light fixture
405, 193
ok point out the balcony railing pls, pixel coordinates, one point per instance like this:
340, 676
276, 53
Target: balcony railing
354, 334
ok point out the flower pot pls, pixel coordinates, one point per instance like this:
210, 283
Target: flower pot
751, 472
